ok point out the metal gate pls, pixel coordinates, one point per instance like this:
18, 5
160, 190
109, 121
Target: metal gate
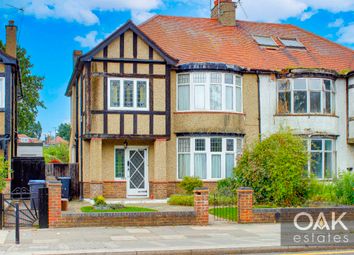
32, 208
224, 207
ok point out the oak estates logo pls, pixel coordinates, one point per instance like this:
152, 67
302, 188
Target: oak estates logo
317, 226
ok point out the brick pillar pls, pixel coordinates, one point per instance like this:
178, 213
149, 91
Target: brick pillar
54, 202
201, 206
245, 205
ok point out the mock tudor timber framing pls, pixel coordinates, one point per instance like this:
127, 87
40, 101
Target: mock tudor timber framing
84, 64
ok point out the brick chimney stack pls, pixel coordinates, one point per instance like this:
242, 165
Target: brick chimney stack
11, 40
76, 55
225, 12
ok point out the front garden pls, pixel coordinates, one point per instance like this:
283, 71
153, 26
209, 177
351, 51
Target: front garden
276, 169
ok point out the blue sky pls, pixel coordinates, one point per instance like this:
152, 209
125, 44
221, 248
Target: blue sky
51, 29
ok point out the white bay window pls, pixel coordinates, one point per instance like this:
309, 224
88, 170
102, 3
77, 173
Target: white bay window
306, 96
207, 157
128, 94
209, 91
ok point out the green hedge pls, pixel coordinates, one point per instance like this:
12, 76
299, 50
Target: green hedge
188, 200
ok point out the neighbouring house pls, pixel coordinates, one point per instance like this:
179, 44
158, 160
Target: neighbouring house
10, 92
29, 147
179, 96
49, 141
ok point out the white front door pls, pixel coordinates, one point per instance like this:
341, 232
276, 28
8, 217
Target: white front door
137, 179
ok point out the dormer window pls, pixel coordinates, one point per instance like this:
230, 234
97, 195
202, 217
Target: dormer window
291, 42
265, 41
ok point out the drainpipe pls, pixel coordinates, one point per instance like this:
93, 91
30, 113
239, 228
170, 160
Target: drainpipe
347, 106
81, 132
259, 105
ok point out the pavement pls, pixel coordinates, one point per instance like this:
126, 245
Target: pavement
218, 238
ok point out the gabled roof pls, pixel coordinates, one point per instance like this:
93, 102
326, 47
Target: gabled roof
127, 26
7, 59
205, 40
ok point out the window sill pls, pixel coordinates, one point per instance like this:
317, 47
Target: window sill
208, 112
305, 115
117, 180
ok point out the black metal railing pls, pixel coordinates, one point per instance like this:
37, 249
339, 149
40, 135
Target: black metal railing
224, 207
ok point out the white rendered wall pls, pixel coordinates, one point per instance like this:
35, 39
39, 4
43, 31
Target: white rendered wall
311, 125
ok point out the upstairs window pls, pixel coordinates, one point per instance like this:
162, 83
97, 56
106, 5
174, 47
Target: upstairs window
201, 91
128, 94
2, 92
306, 96
265, 40
291, 42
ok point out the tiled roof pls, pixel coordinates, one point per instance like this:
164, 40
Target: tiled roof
205, 40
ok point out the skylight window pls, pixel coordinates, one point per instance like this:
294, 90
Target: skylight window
265, 40
291, 42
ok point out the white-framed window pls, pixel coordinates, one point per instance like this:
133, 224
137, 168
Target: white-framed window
2, 92
306, 96
208, 158
322, 162
119, 163
128, 94
209, 91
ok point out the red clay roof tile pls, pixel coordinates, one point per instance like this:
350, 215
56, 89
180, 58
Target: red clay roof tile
205, 40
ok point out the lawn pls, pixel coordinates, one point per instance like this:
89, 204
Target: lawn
90, 209
227, 213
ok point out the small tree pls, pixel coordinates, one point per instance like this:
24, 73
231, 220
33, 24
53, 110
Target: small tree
4, 171
64, 130
275, 169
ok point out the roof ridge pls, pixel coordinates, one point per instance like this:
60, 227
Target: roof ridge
149, 19
260, 22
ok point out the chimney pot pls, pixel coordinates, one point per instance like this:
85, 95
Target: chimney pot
76, 55
11, 40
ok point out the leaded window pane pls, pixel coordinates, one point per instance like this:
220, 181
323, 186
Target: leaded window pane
114, 93
215, 144
119, 164
199, 77
183, 79
183, 145
141, 94
199, 144
128, 93
215, 78
238, 81
239, 146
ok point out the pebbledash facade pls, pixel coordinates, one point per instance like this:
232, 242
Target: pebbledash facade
178, 96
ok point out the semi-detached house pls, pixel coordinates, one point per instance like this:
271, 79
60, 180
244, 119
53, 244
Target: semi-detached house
179, 96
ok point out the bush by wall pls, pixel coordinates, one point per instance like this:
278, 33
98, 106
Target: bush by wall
274, 168
4, 171
188, 184
344, 189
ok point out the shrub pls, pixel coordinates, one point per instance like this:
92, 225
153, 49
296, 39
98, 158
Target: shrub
275, 169
188, 184
320, 191
100, 201
344, 189
185, 200
4, 171
217, 199
227, 187
56, 153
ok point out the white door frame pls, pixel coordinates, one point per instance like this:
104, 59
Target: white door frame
131, 194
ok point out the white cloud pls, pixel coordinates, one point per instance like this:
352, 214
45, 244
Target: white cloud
140, 16
346, 34
307, 15
336, 23
83, 11
88, 41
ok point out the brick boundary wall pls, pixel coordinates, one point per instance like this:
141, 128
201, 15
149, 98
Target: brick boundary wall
248, 214
245, 211
57, 219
